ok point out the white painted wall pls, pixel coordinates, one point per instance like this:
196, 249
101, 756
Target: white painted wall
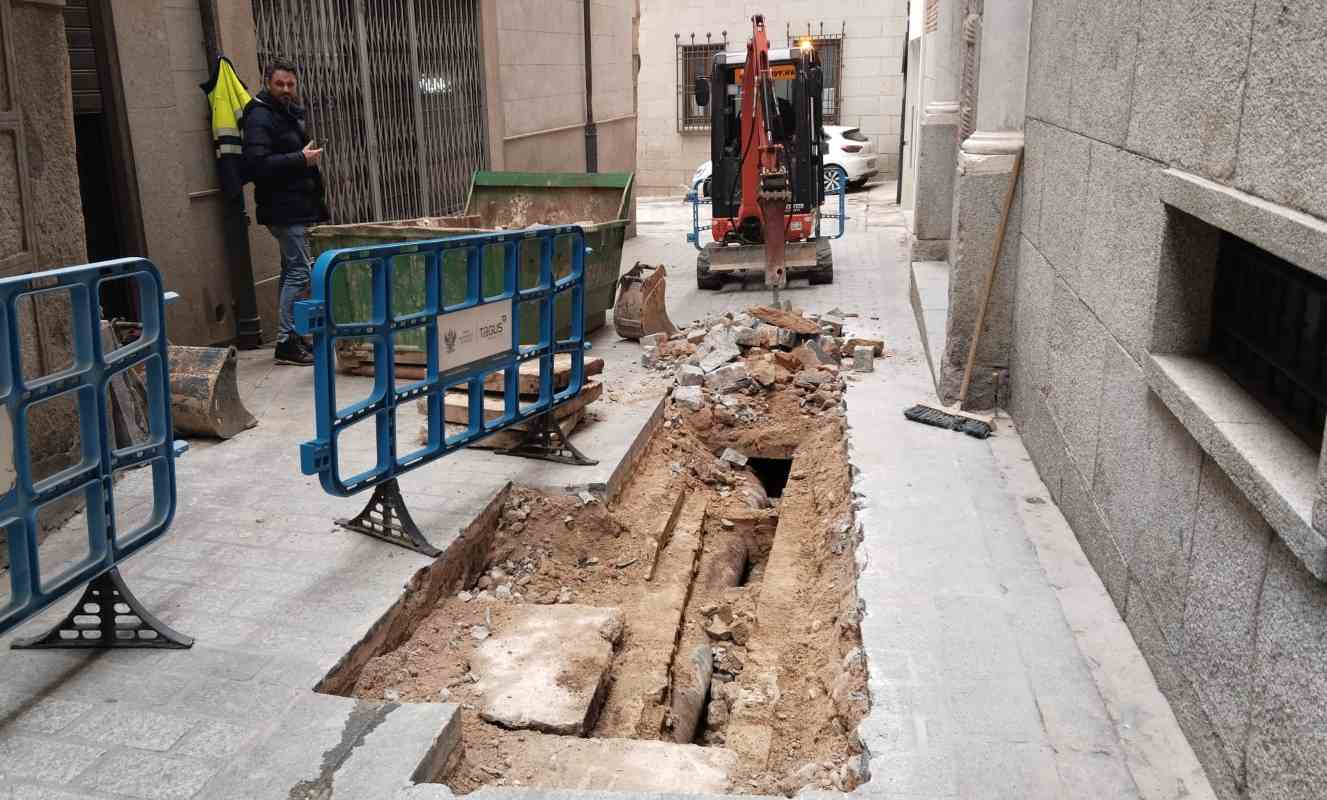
872, 85
540, 84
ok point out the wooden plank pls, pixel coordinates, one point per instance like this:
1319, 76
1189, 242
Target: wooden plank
496, 382
513, 436
528, 378
457, 405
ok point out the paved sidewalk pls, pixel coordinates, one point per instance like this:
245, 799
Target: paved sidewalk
998, 666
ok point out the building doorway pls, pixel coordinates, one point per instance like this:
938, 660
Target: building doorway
112, 220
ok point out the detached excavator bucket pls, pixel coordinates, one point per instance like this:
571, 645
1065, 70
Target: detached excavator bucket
640, 309
204, 399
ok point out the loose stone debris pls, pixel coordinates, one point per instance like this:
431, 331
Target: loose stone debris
697, 633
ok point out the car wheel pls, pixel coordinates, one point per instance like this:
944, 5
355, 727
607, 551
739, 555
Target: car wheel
705, 188
835, 179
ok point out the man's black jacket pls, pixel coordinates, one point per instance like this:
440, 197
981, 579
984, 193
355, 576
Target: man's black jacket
287, 191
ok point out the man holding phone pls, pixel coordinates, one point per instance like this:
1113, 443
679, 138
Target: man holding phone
282, 161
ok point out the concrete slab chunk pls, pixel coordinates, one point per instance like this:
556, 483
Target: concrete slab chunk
546, 670
722, 353
627, 765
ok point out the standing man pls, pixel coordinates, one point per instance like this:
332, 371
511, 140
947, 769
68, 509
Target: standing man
288, 188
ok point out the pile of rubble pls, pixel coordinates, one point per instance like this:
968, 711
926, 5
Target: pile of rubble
757, 350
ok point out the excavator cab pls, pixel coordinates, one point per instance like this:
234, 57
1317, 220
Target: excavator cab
777, 138
796, 126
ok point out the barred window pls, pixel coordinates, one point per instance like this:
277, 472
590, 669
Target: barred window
693, 61
1269, 331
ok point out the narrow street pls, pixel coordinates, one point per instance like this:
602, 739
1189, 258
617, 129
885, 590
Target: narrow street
997, 666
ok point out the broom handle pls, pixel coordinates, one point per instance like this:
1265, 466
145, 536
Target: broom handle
990, 279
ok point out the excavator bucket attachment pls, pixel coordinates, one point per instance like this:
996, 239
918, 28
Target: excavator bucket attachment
640, 309
204, 398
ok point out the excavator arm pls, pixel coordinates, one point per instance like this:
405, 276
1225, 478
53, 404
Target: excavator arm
765, 187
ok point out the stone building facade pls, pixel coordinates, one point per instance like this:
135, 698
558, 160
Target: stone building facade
106, 151
157, 151
870, 91
40, 215
538, 112
1173, 171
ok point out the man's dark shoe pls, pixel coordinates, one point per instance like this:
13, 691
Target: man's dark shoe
292, 351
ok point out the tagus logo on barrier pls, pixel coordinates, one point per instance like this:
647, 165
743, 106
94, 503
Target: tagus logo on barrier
474, 334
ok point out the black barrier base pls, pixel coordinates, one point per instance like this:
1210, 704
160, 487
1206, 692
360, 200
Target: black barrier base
108, 616
545, 441
386, 518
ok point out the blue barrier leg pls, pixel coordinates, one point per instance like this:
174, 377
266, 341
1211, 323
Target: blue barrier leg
546, 441
108, 615
387, 518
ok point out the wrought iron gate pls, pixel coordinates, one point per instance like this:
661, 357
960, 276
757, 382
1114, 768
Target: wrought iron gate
396, 88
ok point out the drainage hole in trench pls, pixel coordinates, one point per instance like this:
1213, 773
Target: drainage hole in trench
772, 473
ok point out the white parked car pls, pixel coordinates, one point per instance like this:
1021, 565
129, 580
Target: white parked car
850, 159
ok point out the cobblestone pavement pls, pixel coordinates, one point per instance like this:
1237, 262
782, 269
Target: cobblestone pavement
998, 666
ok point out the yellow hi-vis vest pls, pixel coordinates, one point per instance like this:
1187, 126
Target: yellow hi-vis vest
227, 96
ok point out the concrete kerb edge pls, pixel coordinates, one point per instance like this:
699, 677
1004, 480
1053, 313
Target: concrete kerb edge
861, 560
434, 765
421, 591
443, 576
636, 451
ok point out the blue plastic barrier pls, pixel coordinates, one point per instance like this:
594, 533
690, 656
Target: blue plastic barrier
101, 619
466, 343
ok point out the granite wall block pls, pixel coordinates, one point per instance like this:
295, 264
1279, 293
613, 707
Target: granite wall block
1287, 750
1122, 454
1221, 610
1281, 135
1189, 84
1160, 559
1077, 352
1120, 253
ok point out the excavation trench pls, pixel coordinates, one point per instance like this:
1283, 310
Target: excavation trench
699, 633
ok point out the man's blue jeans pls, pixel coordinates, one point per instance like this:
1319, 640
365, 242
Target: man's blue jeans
294, 282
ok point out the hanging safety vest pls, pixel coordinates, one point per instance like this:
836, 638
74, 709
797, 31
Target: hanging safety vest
227, 95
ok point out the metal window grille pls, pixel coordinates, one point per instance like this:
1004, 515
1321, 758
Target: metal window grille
829, 46
396, 88
1269, 331
694, 61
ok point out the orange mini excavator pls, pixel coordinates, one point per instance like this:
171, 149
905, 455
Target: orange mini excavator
766, 156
